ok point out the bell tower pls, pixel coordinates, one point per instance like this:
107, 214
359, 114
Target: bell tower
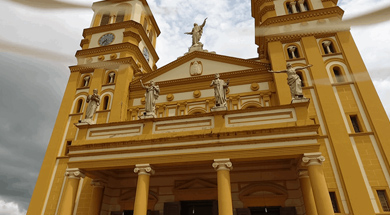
118, 46
342, 97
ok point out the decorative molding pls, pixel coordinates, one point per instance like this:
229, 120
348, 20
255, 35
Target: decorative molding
170, 97
304, 16
83, 42
126, 24
310, 159
105, 64
265, 10
255, 86
74, 173
197, 94
207, 56
133, 35
143, 169
222, 164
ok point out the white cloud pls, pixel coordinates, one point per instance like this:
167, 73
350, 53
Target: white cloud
10, 208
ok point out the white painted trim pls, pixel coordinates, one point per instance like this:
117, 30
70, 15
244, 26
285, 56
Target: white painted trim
74, 103
336, 94
55, 167
110, 134
199, 142
318, 111
380, 159
337, 176
261, 120
196, 150
330, 153
79, 189
60, 197
360, 107
366, 182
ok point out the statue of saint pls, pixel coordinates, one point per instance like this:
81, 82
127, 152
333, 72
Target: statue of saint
293, 80
220, 88
93, 102
151, 95
197, 32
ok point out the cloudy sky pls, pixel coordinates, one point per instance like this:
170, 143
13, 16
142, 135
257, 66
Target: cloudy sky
38, 44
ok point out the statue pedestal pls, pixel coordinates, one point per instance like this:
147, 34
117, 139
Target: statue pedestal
216, 108
147, 115
86, 122
293, 101
197, 47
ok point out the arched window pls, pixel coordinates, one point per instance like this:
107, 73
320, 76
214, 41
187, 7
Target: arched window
328, 47
302, 79
79, 106
111, 78
105, 19
120, 17
85, 82
293, 52
338, 74
105, 102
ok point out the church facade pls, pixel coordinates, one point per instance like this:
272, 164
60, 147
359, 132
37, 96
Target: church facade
210, 134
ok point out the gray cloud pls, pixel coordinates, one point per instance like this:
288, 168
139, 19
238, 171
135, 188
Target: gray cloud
30, 95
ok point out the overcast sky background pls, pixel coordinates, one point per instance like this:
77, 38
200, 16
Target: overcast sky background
38, 45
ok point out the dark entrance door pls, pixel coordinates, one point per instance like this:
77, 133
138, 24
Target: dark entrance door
265, 210
204, 207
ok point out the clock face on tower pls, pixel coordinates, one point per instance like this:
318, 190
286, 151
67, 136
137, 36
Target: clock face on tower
146, 54
106, 39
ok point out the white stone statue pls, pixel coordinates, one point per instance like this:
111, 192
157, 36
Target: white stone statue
293, 80
93, 102
220, 88
151, 95
196, 33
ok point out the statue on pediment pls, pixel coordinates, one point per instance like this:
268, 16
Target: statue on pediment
220, 88
151, 95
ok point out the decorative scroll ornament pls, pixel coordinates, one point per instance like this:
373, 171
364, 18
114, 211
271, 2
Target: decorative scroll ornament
143, 169
196, 68
222, 164
74, 173
312, 159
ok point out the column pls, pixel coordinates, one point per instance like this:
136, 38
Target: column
223, 167
141, 196
313, 161
307, 193
293, 6
71, 187
301, 5
97, 196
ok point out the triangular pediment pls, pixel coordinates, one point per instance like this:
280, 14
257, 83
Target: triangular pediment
196, 184
198, 64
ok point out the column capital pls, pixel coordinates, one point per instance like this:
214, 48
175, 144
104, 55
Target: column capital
312, 159
303, 174
98, 183
74, 173
293, 2
143, 169
326, 43
222, 164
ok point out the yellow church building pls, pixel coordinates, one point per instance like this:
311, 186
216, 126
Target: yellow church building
210, 134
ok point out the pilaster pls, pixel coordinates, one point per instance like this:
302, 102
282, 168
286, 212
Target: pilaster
69, 197
97, 196
307, 193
